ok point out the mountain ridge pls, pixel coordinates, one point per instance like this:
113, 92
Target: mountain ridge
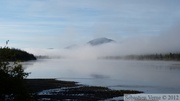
94, 42
100, 41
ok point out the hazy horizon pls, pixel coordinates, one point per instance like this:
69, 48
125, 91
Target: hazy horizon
138, 45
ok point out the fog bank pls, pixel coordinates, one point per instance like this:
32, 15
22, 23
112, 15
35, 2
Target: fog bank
136, 45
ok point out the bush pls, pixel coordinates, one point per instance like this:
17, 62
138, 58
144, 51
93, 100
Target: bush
12, 76
12, 83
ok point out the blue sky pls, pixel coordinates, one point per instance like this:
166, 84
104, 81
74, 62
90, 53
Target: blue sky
60, 23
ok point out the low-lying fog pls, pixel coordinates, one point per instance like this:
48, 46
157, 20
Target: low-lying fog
135, 45
147, 76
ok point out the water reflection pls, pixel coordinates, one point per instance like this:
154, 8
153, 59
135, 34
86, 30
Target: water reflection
162, 75
99, 76
175, 67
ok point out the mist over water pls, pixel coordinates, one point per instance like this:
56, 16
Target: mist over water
165, 42
80, 64
58, 32
147, 76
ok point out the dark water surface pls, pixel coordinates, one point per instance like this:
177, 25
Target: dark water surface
147, 76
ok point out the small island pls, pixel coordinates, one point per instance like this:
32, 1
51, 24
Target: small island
12, 54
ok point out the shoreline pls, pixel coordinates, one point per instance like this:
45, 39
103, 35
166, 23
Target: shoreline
54, 89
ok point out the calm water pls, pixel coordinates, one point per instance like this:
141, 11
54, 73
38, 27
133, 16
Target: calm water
147, 76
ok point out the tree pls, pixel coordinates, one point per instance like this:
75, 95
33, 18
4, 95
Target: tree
12, 83
12, 79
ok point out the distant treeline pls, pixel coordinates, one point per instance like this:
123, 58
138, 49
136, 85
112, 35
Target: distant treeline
12, 54
170, 56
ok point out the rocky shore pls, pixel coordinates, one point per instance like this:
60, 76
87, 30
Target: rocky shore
55, 90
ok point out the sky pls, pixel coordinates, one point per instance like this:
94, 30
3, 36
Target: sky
60, 23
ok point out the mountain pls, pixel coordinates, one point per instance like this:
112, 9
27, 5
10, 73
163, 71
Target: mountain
100, 41
94, 42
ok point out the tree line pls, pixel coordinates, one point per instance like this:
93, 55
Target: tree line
169, 56
12, 54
